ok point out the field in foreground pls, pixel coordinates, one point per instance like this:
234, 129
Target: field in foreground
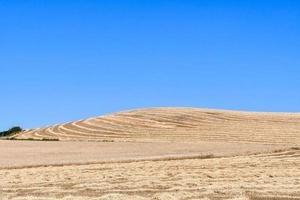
163, 153
258, 177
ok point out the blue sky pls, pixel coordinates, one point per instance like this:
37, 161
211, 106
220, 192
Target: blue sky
66, 60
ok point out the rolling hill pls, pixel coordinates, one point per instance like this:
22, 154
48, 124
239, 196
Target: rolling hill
178, 124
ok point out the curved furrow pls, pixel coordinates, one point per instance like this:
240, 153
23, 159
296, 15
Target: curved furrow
89, 135
202, 114
25, 134
105, 125
151, 120
38, 133
117, 121
145, 123
93, 128
86, 130
53, 130
169, 122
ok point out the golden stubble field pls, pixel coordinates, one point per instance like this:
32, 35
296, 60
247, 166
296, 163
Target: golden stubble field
162, 153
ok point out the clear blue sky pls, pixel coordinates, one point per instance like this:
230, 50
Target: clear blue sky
66, 60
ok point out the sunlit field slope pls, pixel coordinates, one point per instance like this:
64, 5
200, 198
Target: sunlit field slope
178, 124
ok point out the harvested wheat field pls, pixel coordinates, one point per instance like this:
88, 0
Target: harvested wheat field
157, 153
178, 124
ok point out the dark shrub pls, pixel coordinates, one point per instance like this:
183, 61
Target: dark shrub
11, 131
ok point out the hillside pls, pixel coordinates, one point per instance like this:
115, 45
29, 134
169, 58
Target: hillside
178, 124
